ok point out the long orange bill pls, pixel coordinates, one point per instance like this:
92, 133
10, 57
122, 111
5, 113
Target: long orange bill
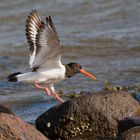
87, 74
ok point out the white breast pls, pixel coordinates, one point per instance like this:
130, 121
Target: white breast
56, 74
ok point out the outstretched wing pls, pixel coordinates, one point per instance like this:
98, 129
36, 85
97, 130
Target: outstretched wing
33, 24
45, 48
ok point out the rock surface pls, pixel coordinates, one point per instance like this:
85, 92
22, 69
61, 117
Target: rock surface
128, 123
4, 109
96, 115
13, 128
131, 134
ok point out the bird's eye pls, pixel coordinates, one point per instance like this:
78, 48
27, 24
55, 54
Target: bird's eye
79, 66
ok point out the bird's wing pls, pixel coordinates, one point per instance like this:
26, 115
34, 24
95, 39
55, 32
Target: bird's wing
33, 24
45, 47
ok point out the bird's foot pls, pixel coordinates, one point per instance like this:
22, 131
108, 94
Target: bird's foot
56, 96
47, 91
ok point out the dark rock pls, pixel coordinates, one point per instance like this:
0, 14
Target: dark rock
128, 123
95, 115
13, 128
131, 134
4, 109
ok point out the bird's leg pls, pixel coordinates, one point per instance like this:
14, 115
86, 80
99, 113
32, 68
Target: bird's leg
44, 88
55, 94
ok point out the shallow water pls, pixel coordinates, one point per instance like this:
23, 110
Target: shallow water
102, 35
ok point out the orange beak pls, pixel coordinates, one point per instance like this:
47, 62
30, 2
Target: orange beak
87, 74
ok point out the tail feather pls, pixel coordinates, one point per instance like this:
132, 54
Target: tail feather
13, 77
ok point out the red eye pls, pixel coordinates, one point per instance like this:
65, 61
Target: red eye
79, 66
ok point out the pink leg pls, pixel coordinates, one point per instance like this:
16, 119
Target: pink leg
55, 94
57, 97
44, 88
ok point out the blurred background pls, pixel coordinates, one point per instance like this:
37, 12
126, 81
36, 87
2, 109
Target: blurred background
102, 35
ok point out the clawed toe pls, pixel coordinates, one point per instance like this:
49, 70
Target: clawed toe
47, 91
58, 98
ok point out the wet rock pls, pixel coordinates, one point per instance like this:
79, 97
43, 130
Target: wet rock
137, 96
4, 109
96, 115
131, 134
128, 123
13, 128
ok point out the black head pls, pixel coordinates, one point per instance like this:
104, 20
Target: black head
72, 68
75, 67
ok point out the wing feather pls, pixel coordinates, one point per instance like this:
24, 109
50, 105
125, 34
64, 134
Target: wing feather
45, 47
33, 24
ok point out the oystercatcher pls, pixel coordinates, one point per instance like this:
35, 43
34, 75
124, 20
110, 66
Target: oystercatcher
45, 56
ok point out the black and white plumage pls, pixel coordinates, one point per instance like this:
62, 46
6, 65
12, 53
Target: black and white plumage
45, 56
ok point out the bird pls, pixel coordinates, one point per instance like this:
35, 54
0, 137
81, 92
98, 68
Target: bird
45, 51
